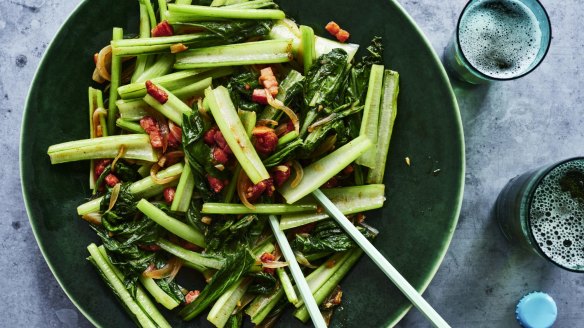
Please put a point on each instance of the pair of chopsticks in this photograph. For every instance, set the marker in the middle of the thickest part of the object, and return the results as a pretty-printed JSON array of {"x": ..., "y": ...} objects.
[{"x": 393, "y": 275}]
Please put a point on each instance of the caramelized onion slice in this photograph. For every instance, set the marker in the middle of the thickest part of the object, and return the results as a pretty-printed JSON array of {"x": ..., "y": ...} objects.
[
  {"x": 243, "y": 183},
  {"x": 289, "y": 112},
  {"x": 299, "y": 174}
]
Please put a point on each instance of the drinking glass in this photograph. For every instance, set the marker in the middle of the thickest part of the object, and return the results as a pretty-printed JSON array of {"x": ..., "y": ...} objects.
[
  {"x": 542, "y": 211},
  {"x": 498, "y": 40}
]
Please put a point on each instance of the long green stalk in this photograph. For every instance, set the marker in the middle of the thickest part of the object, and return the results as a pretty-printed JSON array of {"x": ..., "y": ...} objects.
[
  {"x": 186, "y": 13},
  {"x": 137, "y": 147},
  {"x": 141, "y": 297},
  {"x": 277, "y": 209},
  {"x": 129, "y": 126},
  {"x": 162, "y": 66},
  {"x": 162, "y": 8},
  {"x": 184, "y": 191},
  {"x": 234, "y": 133},
  {"x": 198, "y": 259},
  {"x": 224, "y": 306},
  {"x": 307, "y": 47},
  {"x": 319, "y": 172},
  {"x": 142, "y": 62},
  {"x": 95, "y": 102},
  {"x": 288, "y": 137},
  {"x": 151, "y": 14},
  {"x": 162, "y": 44},
  {"x": 170, "y": 81},
  {"x": 141, "y": 188},
  {"x": 386, "y": 121},
  {"x": 349, "y": 200},
  {"x": 248, "y": 120},
  {"x": 159, "y": 295},
  {"x": 287, "y": 285},
  {"x": 173, "y": 109},
  {"x": 370, "y": 120},
  {"x": 183, "y": 2},
  {"x": 116, "y": 73},
  {"x": 249, "y": 53},
  {"x": 321, "y": 294},
  {"x": 118, "y": 287},
  {"x": 262, "y": 305},
  {"x": 173, "y": 225}
]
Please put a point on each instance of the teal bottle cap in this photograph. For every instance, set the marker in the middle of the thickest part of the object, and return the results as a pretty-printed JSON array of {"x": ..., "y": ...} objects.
[{"x": 536, "y": 310}]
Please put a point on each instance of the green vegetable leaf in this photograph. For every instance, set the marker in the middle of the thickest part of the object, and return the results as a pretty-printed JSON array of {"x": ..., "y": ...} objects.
[
  {"x": 263, "y": 283},
  {"x": 327, "y": 236}
]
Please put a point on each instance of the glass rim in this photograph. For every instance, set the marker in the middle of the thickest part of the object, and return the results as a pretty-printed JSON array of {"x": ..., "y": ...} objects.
[
  {"x": 530, "y": 199},
  {"x": 487, "y": 77}
]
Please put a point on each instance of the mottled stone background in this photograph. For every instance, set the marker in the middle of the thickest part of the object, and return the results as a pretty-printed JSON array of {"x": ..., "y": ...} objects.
[{"x": 509, "y": 127}]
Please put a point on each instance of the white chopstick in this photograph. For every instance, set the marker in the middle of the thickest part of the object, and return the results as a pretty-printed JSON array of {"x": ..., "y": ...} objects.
[
  {"x": 393, "y": 275},
  {"x": 301, "y": 283}
]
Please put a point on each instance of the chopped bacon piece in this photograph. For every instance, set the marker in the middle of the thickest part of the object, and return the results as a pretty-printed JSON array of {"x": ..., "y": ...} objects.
[
  {"x": 111, "y": 180},
  {"x": 281, "y": 174},
  {"x": 191, "y": 296},
  {"x": 267, "y": 257},
  {"x": 169, "y": 194},
  {"x": 173, "y": 142},
  {"x": 220, "y": 140},
  {"x": 265, "y": 140},
  {"x": 259, "y": 96},
  {"x": 100, "y": 166},
  {"x": 209, "y": 136},
  {"x": 179, "y": 47},
  {"x": 216, "y": 184},
  {"x": 268, "y": 80},
  {"x": 254, "y": 192},
  {"x": 348, "y": 170},
  {"x": 307, "y": 228},
  {"x": 220, "y": 155},
  {"x": 162, "y": 29},
  {"x": 342, "y": 36},
  {"x": 156, "y": 92},
  {"x": 151, "y": 127},
  {"x": 333, "y": 28}
]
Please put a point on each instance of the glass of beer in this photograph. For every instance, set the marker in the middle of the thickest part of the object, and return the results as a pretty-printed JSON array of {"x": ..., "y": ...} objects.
[
  {"x": 498, "y": 40},
  {"x": 543, "y": 211}
]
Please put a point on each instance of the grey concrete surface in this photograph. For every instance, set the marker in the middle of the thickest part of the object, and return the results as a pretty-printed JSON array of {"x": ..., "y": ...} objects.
[{"x": 510, "y": 127}]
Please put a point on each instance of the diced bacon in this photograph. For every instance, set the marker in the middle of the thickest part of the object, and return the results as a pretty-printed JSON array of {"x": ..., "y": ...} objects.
[
  {"x": 333, "y": 28},
  {"x": 254, "y": 192},
  {"x": 209, "y": 136},
  {"x": 162, "y": 29},
  {"x": 268, "y": 80},
  {"x": 111, "y": 180},
  {"x": 156, "y": 92},
  {"x": 191, "y": 296},
  {"x": 151, "y": 127},
  {"x": 281, "y": 174},
  {"x": 342, "y": 36},
  {"x": 220, "y": 140},
  {"x": 259, "y": 96},
  {"x": 216, "y": 184},
  {"x": 169, "y": 194},
  {"x": 267, "y": 257},
  {"x": 100, "y": 166},
  {"x": 265, "y": 140},
  {"x": 220, "y": 156}
]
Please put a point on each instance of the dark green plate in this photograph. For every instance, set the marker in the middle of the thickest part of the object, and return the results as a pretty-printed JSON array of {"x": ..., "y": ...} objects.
[{"x": 423, "y": 200}]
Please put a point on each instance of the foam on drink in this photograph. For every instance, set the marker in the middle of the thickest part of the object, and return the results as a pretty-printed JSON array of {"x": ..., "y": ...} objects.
[
  {"x": 556, "y": 214},
  {"x": 500, "y": 38}
]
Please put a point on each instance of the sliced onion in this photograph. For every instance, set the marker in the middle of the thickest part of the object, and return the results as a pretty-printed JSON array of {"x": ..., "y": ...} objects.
[
  {"x": 93, "y": 218},
  {"x": 164, "y": 132},
  {"x": 154, "y": 170},
  {"x": 168, "y": 270},
  {"x": 243, "y": 183},
  {"x": 261, "y": 130},
  {"x": 274, "y": 264},
  {"x": 299, "y": 174},
  {"x": 120, "y": 154},
  {"x": 280, "y": 105},
  {"x": 266, "y": 121},
  {"x": 104, "y": 62},
  {"x": 96, "y": 115},
  {"x": 171, "y": 158},
  {"x": 175, "y": 130},
  {"x": 114, "y": 196},
  {"x": 96, "y": 77},
  {"x": 303, "y": 260}
]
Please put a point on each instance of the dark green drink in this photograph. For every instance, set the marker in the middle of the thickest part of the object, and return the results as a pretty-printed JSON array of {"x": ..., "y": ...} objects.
[{"x": 543, "y": 210}]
